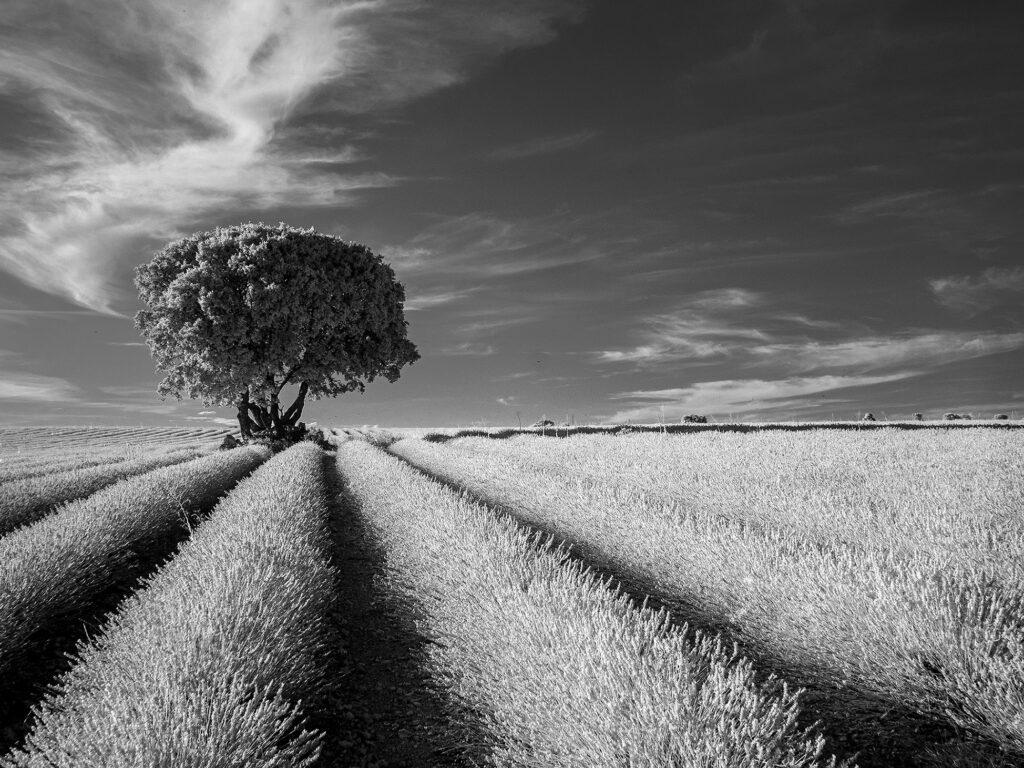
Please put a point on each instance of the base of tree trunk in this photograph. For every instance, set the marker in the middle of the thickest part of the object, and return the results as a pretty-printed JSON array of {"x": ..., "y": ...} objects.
[{"x": 280, "y": 439}]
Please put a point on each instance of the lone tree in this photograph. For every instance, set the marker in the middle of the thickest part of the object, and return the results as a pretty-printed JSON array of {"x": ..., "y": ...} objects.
[{"x": 236, "y": 314}]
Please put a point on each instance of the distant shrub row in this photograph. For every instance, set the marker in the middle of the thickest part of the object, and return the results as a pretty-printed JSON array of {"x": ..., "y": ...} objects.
[{"x": 691, "y": 426}]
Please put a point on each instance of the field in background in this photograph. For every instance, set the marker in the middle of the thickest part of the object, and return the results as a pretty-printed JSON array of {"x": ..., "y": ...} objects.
[
  {"x": 636, "y": 596},
  {"x": 15, "y": 442}
]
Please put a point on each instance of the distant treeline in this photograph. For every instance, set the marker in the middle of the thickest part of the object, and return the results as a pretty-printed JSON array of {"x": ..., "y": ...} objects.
[{"x": 625, "y": 429}]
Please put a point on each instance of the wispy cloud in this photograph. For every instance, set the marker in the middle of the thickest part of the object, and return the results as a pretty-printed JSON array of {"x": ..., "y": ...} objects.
[
  {"x": 950, "y": 220},
  {"x": 431, "y": 299},
  {"x": 469, "y": 348},
  {"x": 480, "y": 245},
  {"x": 736, "y": 395},
  {"x": 919, "y": 204},
  {"x": 38, "y": 389},
  {"x": 776, "y": 181},
  {"x": 748, "y": 329},
  {"x": 216, "y": 420},
  {"x": 872, "y": 353},
  {"x": 25, "y": 316},
  {"x": 973, "y": 294},
  {"x": 126, "y": 344},
  {"x": 160, "y": 115},
  {"x": 482, "y": 321},
  {"x": 157, "y": 409},
  {"x": 543, "y": 146},
  {"x": 17, "y": 383},
  {"x": 516, "y": 376},
  {"x": 702, "y": 329},
  {"x": 131, "y": 392}
]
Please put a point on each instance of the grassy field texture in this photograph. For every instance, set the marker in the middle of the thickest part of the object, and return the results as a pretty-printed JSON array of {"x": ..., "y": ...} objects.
[
  {"x": 52, "y": 569},
  {"x": 21, "y": 470},
  {"x": 548, "y": 666},
  {"x": 946, "y": 493},
  {"x": 880, "y": 565},
  {"x": 23, "y": 501},
  {"x": 209, "y": 663},
  {"x": 18, "y": 442}
]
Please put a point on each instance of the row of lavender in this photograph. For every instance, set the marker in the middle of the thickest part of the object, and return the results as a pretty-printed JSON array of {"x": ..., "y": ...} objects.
[
  {"x": 820, "y": 570},
  {"x": 880, "y": 570},
  {"x": 215, "y": 659},
  {"x": 208, "y": 662}
]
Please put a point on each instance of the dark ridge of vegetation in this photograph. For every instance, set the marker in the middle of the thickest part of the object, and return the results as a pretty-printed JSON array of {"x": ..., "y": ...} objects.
[{"x": 674, "y": 429}]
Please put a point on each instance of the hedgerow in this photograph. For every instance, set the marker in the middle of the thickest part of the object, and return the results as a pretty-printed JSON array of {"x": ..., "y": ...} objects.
[
  {"x": 549, "y": 666},
  {"x": 726, "y": 427},
  {"x": 53, "y": 567},
  {"x": 927, "y": 628},
  {"x": 209, "y": 663}
]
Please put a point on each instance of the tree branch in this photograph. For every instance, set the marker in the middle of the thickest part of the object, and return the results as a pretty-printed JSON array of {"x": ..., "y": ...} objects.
[
  {"x": 244, "y": 422},
  {"x": 291, "y": 416},
  {"x": 288, "y": 377},
  {"x": 258, "y": 416}
]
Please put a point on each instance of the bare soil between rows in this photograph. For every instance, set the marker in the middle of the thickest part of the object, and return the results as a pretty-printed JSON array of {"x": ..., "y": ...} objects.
[{"x": 381, "y": 710}]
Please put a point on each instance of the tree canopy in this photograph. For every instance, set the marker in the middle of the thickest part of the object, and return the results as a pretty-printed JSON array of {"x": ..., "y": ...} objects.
[{"x": 235, "y": 315}]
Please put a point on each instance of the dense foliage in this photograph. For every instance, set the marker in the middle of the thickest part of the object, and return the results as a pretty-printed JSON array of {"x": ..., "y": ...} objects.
[{"x": 236, "y": 314}]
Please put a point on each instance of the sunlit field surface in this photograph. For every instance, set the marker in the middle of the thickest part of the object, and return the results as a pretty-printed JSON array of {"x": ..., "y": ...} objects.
[
  {"x": 25, "y": 443},
  {"x": 648, "y": 598},
  {"x": 881, "y": 569}
]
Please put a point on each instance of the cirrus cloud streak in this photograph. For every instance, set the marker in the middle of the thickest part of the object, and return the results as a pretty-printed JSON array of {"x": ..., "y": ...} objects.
[
  {"x": 146, "y": 118},
  {"x": 736, "y": 395}
]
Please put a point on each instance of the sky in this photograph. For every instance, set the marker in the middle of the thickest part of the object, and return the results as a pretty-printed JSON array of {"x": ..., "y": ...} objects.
[{"x": 601, "y": 211}]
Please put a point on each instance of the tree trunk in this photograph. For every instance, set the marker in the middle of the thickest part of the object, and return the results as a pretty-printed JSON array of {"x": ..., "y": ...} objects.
[
  {"x": 270, "y": 418},
  {"x": 275, "y": 417},
  {"x": 244, "y": 422},
  {"x": 294, "y": 412},
  {"x": 260, "y": 417}
]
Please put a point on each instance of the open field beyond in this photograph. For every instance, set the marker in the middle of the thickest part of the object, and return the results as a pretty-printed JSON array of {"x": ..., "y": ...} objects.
[{"x": 705, "y": 598}]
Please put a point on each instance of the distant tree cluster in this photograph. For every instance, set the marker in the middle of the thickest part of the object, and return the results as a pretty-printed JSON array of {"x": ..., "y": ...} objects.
[{"x": 945, "y": 416}]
